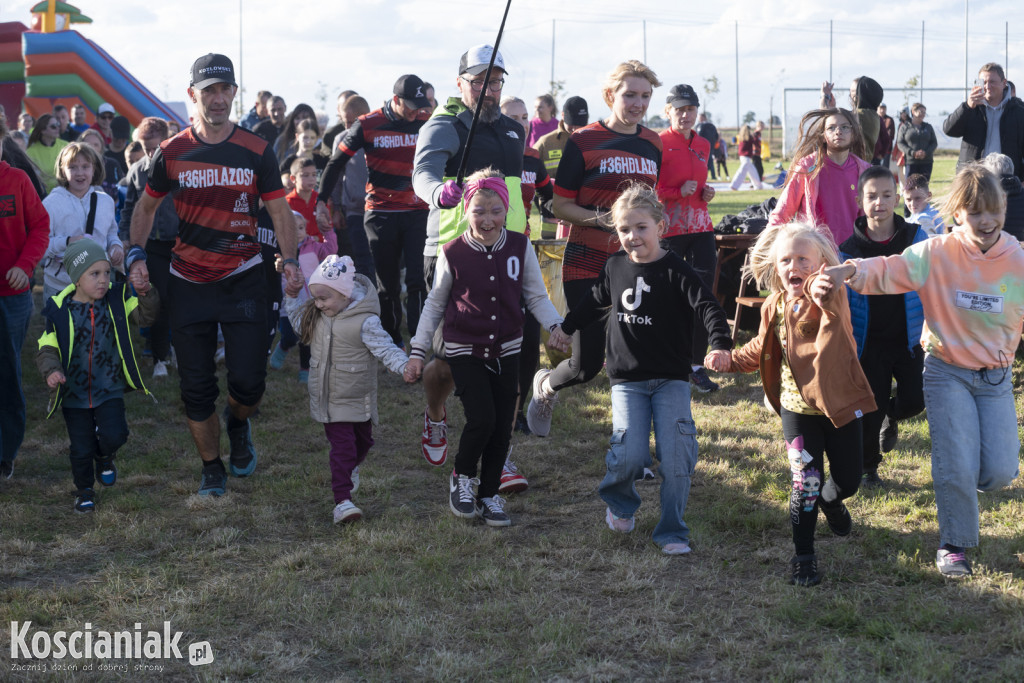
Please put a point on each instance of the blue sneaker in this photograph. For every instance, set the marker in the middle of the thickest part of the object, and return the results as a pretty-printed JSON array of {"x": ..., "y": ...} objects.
[
  {"x": 84, "y": 501},
  {"x": 106, "y": 472},
  {"x": 277, "y": 358},
  {"x": 243, "y": 453},
  {"x": 304, "y": 376},
  {"x": 214, "y": 480}
]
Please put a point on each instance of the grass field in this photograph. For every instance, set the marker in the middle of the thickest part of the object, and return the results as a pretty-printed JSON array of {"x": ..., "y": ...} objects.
[{"x": 412, "y": 593}]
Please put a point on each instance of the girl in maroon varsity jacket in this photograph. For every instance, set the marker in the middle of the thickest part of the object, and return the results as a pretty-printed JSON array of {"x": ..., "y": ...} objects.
[{"x": 482, "y": 277}]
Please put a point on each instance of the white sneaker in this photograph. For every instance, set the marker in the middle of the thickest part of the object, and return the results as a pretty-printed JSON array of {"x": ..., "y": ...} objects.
[
  {"x": 542, "y": 404},
  {"x": 159, "y": 369},
  {"x": 345, "y": 511},
  {"x": 355, "y": 480}
]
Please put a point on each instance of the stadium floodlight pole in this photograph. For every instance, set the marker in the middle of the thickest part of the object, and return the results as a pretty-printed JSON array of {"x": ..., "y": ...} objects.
[{"x": 480, "y": 102}]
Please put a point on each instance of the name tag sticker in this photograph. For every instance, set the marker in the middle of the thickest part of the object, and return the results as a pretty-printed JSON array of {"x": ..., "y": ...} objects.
[{"x": 985, "y": 303}]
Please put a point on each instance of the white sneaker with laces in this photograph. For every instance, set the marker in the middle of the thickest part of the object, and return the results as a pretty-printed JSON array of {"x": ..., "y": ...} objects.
[
  {"x": 345, "y": 511},
  {"x": 492, "y": 511},
  {"x": 542, "y": 405},
  {"x": 159, "y": 369},
  {"x": 512, "y": 480},
  {"x": 462, "y": 495},
  {"x": 355, "y": 479},
  {"x": 434, "y": 441}
]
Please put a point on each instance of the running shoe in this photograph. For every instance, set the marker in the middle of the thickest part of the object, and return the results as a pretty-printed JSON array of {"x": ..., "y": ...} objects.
[
  {"x": 492, "y": 511},
  {"x": 345, "y": 511},
  {"x": 542, "y": 405},
  {"x": 435, "y": 440}
]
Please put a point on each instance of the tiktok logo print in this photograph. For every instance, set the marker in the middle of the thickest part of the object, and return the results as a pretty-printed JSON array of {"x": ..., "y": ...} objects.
[{"x": 631, "y": 300}]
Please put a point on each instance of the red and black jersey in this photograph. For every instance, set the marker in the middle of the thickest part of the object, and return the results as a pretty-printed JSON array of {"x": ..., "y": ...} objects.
[
  {"x": 390, "y": 144},
  {"x": 535, "y": 178},
  {"x": 597, "y": 163},
  {"x": 216, "y": 189}
]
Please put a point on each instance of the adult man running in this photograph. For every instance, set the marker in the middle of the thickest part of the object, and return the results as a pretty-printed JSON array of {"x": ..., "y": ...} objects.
[
  {"x": 396, "y": 219},
  {"x": 218, "y": 172},
  {"x": 498, "y": 142}
]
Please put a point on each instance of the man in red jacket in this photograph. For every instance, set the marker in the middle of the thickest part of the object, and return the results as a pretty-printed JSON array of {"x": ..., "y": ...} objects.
[{"x": 24, "y": 233}]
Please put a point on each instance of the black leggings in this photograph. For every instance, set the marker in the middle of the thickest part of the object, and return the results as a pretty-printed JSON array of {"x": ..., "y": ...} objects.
[
  {"x": 810, "y": 490},
  {"x": 699, "y": 250},
  {"x": 587, "y": 344},
  {"x": 881, "y": 364}
]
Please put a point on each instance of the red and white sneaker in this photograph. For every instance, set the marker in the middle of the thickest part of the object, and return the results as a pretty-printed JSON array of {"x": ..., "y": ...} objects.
[
  {"x": 512, "y": 481},
  {"x": 435, "y": 440}
]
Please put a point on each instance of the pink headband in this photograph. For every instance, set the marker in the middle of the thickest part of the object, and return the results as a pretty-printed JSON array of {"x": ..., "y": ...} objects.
[{"x": 496, "y": 185}]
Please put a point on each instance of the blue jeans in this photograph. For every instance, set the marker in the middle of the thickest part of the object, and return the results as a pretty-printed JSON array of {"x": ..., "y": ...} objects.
[
  {"x": 975, "y": 444},
  {"x": 15, "y": 311},
  {"x": 634, "y": 406}
]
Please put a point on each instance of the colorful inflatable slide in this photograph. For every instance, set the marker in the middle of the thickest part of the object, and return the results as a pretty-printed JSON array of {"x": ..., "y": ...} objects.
[{"x": 40, "y": 69}]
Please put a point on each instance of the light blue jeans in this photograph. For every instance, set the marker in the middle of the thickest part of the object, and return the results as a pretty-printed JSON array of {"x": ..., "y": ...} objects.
[
  {"x": 975, "y": 443},
  {"x": 635, "y": 405}
]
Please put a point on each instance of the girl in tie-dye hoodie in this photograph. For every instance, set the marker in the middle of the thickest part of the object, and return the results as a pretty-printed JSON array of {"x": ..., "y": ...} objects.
[{"x": 971, "y": 284}]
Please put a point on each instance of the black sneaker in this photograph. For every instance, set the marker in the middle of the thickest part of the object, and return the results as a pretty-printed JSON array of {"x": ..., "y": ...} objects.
[
  {"x": 84, "y": 501},
  {"x": 838, "y": 518},
  {"x": 243, "y": 454},
  {"x": 521, "y": 425},
  {"x": 214, "y": 479},
  {"x": 6, "y": 469},
  {"x": 106, "y": 472},
  {"x": 952, "y": 562},
  {"x": 461, "y": 498},
  {"x": 870, "y": 479},
  {"x": 804, "y": 570},
  {"x": 889, "y": 435},
  {"x": 701, "y": 382},
  {"x": 492, "y": 511}
]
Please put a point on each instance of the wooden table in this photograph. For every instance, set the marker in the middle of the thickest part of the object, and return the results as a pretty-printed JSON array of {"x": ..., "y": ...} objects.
[{"x": 729, "y": 247}]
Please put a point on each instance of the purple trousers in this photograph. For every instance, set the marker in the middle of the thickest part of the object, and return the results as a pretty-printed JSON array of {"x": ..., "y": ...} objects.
[{"x": 350, "y": 442}]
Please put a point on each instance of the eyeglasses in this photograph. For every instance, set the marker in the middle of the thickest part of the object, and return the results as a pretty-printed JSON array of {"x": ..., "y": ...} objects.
[
  {"x": 492, "y": 85},
  {"x": 839, "y": 129},
  {"x": 106, "y": 116}
]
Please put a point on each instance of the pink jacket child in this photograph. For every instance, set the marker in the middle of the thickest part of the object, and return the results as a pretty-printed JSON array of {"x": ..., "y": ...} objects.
[{"x": 804, "y": 196}]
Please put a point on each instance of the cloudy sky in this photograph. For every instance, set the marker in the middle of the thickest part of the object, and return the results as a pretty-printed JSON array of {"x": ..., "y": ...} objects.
[{"x": 309, "y": 55}]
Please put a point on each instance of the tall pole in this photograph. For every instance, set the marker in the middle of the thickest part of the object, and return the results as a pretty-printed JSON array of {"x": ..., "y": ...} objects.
[
  {"x": 1006, "y": 40},
  {"x": 830, "y": 52},
  {"x": 645, "y": 41},
  {"x": 241, "y": 90},
  {"x": 552, "y": 55},
  {"x": 920, "y": 97},
  {"x": 967, "y": 37},
  {"x": 737, "y": 30}
]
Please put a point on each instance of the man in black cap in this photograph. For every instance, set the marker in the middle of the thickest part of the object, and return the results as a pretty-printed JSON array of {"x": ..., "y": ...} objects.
[
  {"x": 499, "y": 143},
  {"x": 395, "y": 219},
  {"x": 575, "y": 115},
  {"x": 218, "y": 173}
]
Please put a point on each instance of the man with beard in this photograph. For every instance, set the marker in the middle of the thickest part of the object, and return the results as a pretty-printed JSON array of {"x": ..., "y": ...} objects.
[
  {"x": 822, "y": 181},
  {"x": 498, "y": 142}
]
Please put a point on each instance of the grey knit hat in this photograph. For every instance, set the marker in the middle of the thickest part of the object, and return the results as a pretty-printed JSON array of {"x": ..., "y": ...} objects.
[{"x": 80, "y": 255}]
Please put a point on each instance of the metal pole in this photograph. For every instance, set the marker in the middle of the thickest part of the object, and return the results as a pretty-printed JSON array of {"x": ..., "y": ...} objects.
[
  {"x": 737, "y": 30},
  {"x": 967, "y": 37},
  {"x": 241, "y": 83},
  {"x": 1006, "y": 40},
  {"x": 645, "y": 41},
  {"x": 552, "y": 54},
  {"x": 830, "y": 53},
  {"x": 921, "y": 81}
]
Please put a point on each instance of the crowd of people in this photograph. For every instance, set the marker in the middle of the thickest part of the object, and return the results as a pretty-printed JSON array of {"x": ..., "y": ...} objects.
[{"x": 223, "y": 237}]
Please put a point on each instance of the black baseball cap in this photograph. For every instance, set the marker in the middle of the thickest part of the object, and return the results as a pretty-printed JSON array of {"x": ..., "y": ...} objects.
[
  {"x": 575, "y": 111},
  {"x": 210, "y": 69},
  {"x": 412, "y": 89},
  {"x": 682, "y": 95}
]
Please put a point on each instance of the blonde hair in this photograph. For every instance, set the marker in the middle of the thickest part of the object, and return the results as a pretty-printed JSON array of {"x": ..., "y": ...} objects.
[
  {"x": 975, "y": 188},
  {"x": 744, "y": 133},
  {"x": 626, "y": 70},
  {"x": 310, "y": 318},
  {"x": 69, "y": 154},
  {"x": 763, "y": 254},
  {"x": 636, "y": 196},
  {"x": 489, "y": 172}
]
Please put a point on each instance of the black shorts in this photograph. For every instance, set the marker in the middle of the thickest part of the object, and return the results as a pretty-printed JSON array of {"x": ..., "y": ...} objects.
[{"x": 239, "y": 305}]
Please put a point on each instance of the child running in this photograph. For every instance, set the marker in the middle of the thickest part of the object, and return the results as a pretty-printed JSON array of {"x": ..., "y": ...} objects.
[
  {"x": 311, "y": 252},
  {"x": 887, "y": 328},
  {"x": 917, "y": 198},
  {"x": 654, "y": 297},
  {"x": 78, "y": 208},
  {"x": 87, "y": 359},
  {"x": 805, "y": 352},
  {"x": 341, "y": 325},
  {"x": 482, "y": 276},
  {"x": 971, "y": 284}
]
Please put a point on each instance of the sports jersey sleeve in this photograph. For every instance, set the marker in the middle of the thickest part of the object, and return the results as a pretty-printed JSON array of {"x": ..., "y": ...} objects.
[
  {"x": 570, "y": 173},
  {"x": 353, "y": 139},
  {"x": 159, "y": 182},
  {"x": 269, "y": 174},
  {"x": 591, "y": 305}
]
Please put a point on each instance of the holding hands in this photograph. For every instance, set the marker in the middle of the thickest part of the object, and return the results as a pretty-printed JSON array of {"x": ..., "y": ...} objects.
[
  {"x": 413, "y": 370},
  {"x": 718, "y": 361},
  {"x": 138, "y": 275},
  {"x": 559, "y": 340},
  {"x": 55, "y": 378}
]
